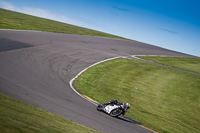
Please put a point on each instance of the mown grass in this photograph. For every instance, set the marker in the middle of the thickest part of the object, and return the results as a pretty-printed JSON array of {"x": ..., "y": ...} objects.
[
  {"x": 15, "y": 20},
  {"x": 18, "y": 117},
  {"x": 164, "y": 99},
  {"x": 187, "y": 63}
]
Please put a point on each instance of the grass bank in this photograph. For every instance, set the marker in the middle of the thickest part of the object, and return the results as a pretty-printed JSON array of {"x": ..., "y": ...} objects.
[
  {"x": 18, "y": 117},
  {"x": 187, "y": 63},
  {"x": 15, "y": 20},
  {"x": 164, "y": 99}
]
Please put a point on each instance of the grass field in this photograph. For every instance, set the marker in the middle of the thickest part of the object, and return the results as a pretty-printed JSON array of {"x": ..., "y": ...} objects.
[
  {"x": 15, "y": 20},
  {"x": 164, "y": 99},
  {"x": 18, "y": 117},
  {"x": 187, "y": 63}
]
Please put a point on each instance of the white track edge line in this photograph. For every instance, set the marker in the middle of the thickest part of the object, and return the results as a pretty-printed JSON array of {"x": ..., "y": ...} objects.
[
  {"x": 21, "y": 30},
  {"x": 72, "y": 80},
  {"x": 68, "y": 33}
]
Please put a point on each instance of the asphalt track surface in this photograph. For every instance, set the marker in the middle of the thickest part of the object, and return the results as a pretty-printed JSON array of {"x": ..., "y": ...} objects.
[{"x": 36, "y": 68}]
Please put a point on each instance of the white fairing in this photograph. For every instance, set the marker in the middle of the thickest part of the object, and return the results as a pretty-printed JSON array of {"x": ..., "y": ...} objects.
[{"x": 109, "y": 108}]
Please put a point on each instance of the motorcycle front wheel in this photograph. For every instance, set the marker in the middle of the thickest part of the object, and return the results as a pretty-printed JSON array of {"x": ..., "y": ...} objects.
[{"x": 115, "y": 112}]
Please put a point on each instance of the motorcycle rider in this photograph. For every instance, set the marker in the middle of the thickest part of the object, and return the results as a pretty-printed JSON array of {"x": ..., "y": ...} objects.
[
  {"x": 112, "y": 102},
  {"x": 124, "y": 106}
]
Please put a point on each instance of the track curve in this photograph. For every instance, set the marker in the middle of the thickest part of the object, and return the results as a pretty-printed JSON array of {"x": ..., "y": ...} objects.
[{"x": 36, "y": 67}]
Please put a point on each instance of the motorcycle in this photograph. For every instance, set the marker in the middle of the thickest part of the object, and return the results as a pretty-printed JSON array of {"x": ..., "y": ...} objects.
[{"x": 112, "y": 110}]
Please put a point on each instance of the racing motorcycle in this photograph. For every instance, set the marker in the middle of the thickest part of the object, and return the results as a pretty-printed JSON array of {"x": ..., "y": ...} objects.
[{"x": 112, "y": 110}]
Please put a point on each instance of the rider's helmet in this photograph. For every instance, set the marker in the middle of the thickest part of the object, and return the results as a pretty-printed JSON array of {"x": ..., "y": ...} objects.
[
  {"x": 127, "y": 105},
  {"x": 114, "y": 101}
]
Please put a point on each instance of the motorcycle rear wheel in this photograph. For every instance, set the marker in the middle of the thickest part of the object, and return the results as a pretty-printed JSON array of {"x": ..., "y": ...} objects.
[{"x": 100, "y": 107}]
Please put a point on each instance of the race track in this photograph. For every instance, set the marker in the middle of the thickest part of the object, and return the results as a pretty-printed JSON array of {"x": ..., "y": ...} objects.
[{"x": 36, "y": 67}]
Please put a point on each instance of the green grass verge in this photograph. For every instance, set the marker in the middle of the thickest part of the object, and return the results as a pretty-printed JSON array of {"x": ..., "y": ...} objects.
[
  {"x": 15, "y": 20},
  {"x": 187, "y": 63},
  {"x": 164, "y": 99},
  {"x": 18, "y": 117}
]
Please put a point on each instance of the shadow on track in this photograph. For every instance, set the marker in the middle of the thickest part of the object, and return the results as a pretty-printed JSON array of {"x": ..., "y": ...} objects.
[
  {"x": 127, "y": 119},
  {"x": 7, "y": 45},
  {"x": 124, "y": 118}
]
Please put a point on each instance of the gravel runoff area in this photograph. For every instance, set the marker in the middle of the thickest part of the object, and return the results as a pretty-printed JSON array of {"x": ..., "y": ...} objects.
[{"x": 36, "y": 67}]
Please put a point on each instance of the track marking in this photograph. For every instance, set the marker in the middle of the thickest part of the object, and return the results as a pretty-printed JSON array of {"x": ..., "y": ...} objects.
[
  {"x": 90, "y": 98},
  {"x": 158, "y": 64},
  {"x": 72, "y": 80},
  {"x": 147, "y": 128}
]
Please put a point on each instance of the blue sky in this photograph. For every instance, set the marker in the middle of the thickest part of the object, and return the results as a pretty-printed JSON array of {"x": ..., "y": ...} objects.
[{"x": 172, "y": 24}]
